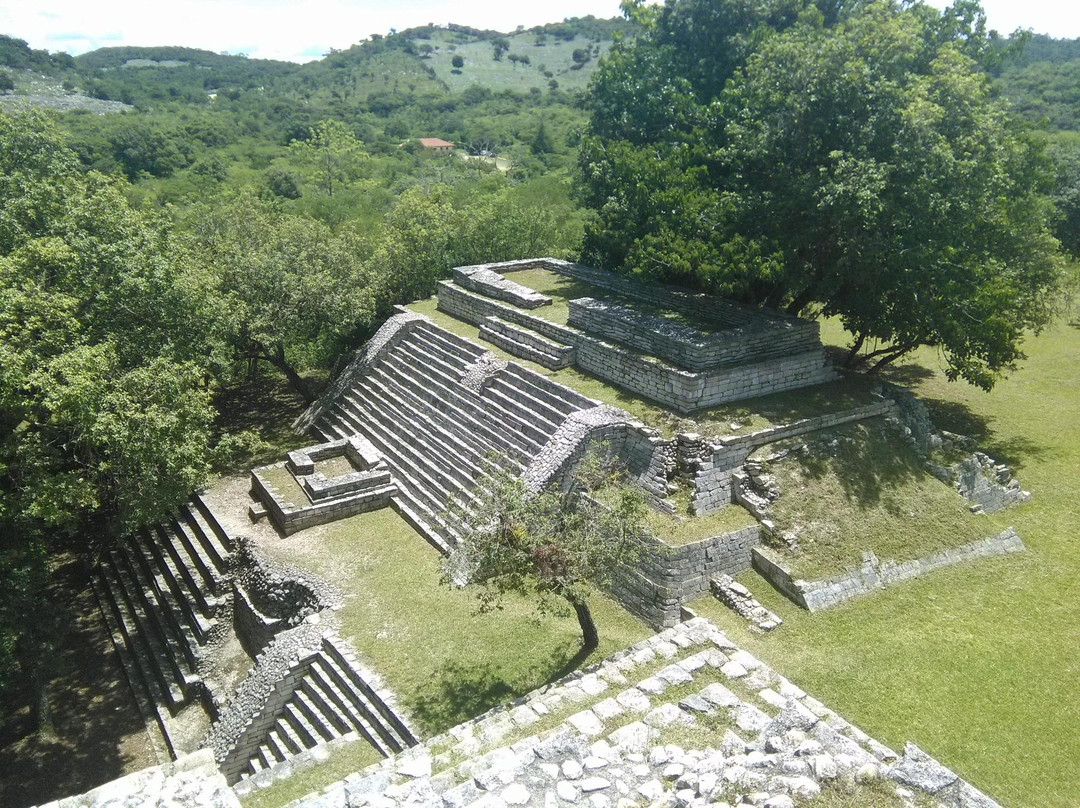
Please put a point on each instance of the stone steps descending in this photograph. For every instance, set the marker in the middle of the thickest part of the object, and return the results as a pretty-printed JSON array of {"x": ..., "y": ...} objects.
[
  {"x": 467, "y": 352},
  {"x": 413, "y": 476},
  {"x": 461, "y": 406},
  {"x": 183, "y": 622},
  {"x": 526, "y": 343},
  {"x": 521, "y": 424},
  {"x": 160, "y": 670},
  {"x": 334, "y": 700},
  {"x": 157, "y": 589},
  {"x": 558, "y": 397}
]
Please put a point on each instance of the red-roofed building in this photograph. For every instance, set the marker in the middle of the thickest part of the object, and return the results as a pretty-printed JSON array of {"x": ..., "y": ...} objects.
[{"x": 436, "y": 144}]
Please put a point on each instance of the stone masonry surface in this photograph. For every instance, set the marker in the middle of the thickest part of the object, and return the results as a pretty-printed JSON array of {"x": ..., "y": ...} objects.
[
  {"x": 190, "y": 782},
  {"x": 612, "y": 736},
  {"x": 875, "y": 574}
]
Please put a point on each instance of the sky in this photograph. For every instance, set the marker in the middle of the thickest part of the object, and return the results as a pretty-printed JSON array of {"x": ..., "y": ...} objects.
[{"x": 300, "y": 32}]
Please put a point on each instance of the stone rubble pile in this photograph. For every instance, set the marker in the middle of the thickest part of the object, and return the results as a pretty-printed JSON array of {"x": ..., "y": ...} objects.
[
  {"x": 738, "y": 598},
  {"x": 684, "y": 719}
]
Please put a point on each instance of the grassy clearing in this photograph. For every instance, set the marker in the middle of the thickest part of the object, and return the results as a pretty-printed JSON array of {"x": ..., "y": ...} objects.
[
  {"x": 445, "y": 662},
  {"x": 860, "y": 488},
  {"x": 977, "y": 664},
  {"x": 343, "y": 761},
  {"x": 481, "y": 68}
]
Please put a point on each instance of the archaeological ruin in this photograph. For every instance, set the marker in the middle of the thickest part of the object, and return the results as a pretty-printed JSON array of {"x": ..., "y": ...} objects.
[{"x": 241, "y": 677}]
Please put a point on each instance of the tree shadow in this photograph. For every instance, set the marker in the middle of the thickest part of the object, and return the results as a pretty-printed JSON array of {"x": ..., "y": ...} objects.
[
  {"x": 99, "y": 733},
  {"x": 864, "y": 458},
  {"x": 459, "y": 691}
]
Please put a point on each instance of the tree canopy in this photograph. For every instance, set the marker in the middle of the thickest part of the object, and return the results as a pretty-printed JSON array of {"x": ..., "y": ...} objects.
[
  {"x": 844, "y": 160},
  {"x": 557, "y": 545}
]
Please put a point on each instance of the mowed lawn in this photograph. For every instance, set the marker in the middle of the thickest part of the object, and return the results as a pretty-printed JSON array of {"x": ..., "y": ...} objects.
[{"x": 979, "y": 665}]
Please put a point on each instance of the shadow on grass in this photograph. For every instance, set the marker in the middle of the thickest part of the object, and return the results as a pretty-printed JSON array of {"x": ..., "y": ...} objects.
[
  {"x": 459, "y": 691},
  {"x": 92, "y": 706},
  {"x": 864, "y": 459}
]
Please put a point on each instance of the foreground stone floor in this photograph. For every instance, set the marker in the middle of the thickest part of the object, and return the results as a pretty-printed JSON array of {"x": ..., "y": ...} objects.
[{"x": 684, "y": 719}]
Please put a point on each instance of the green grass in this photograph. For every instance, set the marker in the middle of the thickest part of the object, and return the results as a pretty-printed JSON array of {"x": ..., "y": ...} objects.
[
  {"x": 977, "y": 664},
  {"x": 445, "y": 662},
  {"x": 286, "y": 485},
  {"x": 343, "y": 761},
  {"x": 678, "y": 531},
  {"x": 868, "y": 491},
  {"x": 481, "y": 68}
]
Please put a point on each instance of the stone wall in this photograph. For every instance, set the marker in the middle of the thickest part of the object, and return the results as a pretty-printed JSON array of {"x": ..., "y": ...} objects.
[
  {"x": 291, "y": 517},
  {"x": 688, "y": 347},
  {"x": 272, "y": 596},
  {"x": 667, "y": 577},
  {"x": 492, "y": 284},
  {"x": 713, "y": 478},
  {"x": 682, "y": 390},
  {"x": 874, "y": 574},
  {"x": 191, "y": 781},
  {"x": 244, "y": 723}
]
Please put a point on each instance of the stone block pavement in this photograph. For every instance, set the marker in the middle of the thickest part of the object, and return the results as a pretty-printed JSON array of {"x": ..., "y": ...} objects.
[{"x": 684, "y": 719}]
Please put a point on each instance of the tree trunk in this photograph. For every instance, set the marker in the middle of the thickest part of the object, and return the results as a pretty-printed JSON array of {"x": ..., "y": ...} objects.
[
  {"x": 589, "y": 638},
  {"x": 296, "y": 381}
]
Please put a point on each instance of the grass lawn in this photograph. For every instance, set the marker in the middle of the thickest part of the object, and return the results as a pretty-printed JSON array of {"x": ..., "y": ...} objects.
[
  {"x": 978, "y": 664},
  {"x": 859, "y": 488},
  {"x": 445, "y": 662}
]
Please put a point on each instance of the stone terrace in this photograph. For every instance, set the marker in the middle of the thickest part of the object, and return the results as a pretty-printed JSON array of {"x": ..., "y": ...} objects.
[{"x": 696, "y": 351}]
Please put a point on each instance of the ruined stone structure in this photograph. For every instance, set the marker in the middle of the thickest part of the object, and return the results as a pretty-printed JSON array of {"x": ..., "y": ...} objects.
[
  {"x": 415, "y": 422},
  {"x": 744, "y": 352}
]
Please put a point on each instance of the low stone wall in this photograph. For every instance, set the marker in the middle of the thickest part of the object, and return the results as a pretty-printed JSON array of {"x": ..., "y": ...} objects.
[
  {"x": 874, "y": 574},
  {"x": 191, "y": 781},
  {"x": 682, "y": 390},
  {"x": 254, "y": 629},
  {"x": 713, "y": 478},
  {"x": 280, "y": 591},
  {"x": 667, "y": 577},
  {"x": 688, "y": 347},
  {"x": 492, "y": 284},
  {"x": 291, "y": 517},
  {"x": 527, "y": 344}
]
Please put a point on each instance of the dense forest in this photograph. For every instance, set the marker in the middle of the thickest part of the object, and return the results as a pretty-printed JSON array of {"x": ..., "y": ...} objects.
[{"x": 177, "y": 223}]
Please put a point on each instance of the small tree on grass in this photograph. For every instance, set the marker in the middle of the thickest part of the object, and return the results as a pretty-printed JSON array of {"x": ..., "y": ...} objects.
[{"x": 557, "y": 545}]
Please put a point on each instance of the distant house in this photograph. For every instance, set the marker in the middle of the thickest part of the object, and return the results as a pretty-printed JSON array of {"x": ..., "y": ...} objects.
[{"x": 436, "y": 144}]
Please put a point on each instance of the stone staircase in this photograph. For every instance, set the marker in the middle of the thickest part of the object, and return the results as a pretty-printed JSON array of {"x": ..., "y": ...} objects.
[
  {"x": 334, "y": 699},
  {"x": 685, "y": 718},
  {"x": 161, "y": 590},
  {"x": 437, "y": 432}
]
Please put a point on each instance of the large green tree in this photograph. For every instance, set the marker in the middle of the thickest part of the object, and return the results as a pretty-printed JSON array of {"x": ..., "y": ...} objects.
[
  {"x": 103, "y": 414},
  {"x": 845, "y": 160},
  {"x": 558, "y": 545}
]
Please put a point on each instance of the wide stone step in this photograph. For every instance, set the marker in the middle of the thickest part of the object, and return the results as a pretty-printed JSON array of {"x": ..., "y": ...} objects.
[
  {"x": 203, "y": 569},
  {"x": 454, "y": 456},
  {"x": 210, "y": 545},
  {"x": 526, "y": 344},
  {"x": 393, "y": 734},
  {"x": 352, "y": 705},
  {"x": 510, "y": 423},
  {"x": 557, "y": 396},
  {"x": 171, "y": 546},
  {"x": 464, "y": 411},
  {"x": 222, "y": 543},
  {"x": 183, "y": 620},
  {"x": 147, "y": 693},
  {"x": 147, "y": 543},
  {"x": 409, "y": 480},
  {"x": 139, "y": 636},
  {"x": 331, "y": 715},
  {"x": 436, "y": 486},
  {"x": 540, "y": 421},
  {"x": 468, "y": 352}
]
